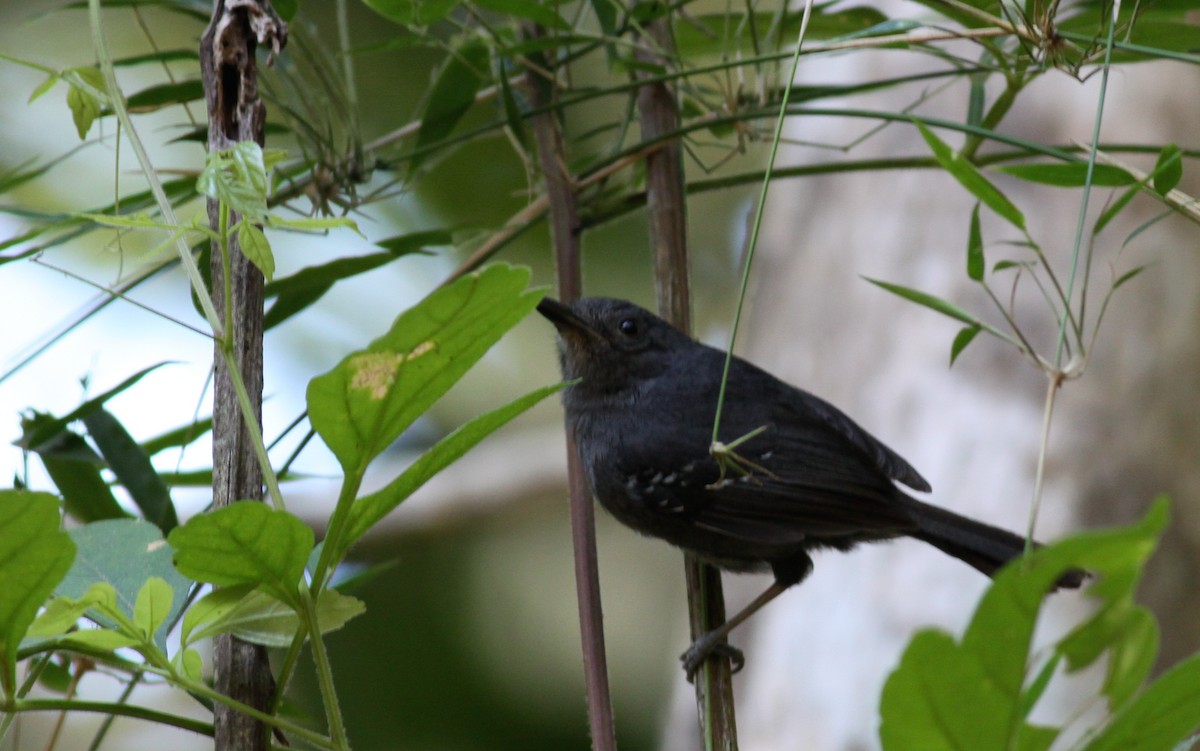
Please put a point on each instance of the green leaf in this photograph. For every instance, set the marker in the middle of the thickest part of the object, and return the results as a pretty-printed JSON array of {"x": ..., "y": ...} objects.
[
  {"x": 413, "y": 12},
  {"x": 1168, "y": 170},
  {"x": 370, "y": 509},
  {"x": 130, "y": 463},
  {"x": 975, "y": 262},
  {"x": 245, "y": 543},
  {"x": 123, "y": 554},
  {"x": 73, "y": 466},
  {"x": 1070, "y": 175},
  {"x": 139, "y": 220},
  {"x": 1128, "y": 275},
  {"x": 361, "y": 406},
  {"x": 56, "y": 675},
  {"x": 42, "y": 88},
  {"x": 101, "y": 639},
  {"x": 178, "y": 438},
  {"x": 705, "y": 35},
  {"x": 961, "y": 340},
  {"x": 59, "y": 616},
  {"x": 36, "y": 434},
  {"x": 1162, "y": 717},
  {"x": 1036, "y": 737},
  {"x": 255, "y": 247},
  {"x": 261, "y": 619},
  {"x": 1039, "y": 684},
  {"x": 929, "y": 301},
  {"x": 416, "y": 242},
  {"x": 158, "y": 58},
  {"x": 153, "y": 606},
  {"x": 530, "y": 9},
  {"x": 1115, "y": 208},
  {"x": 210, "y": 609},
  {"x": 237, "y": 176},
  {"x": 1132, "y": 657},
  {"x": 300, "y": 290},
  {"x": 512, "y": 110},
  {"x": 452, "y": 94},
  {"x": 165, "y": 95},
  {"x": 34, "y": 556},
  {"x": 940, "y": 698},
  {"x": 969, "y": 176},
  {"x": 314, "y": 224},
  {"x": 970, "y": 694},
  {"x": 84, "y": 104},
  {"x": 193, "y": 665}
]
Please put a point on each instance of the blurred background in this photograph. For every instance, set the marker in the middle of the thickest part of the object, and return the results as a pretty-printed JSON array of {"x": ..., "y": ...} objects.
[{"x": 470, "y": 640}]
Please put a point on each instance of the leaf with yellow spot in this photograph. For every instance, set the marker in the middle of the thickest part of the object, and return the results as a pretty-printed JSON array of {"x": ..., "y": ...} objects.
[{"x": 361, "y": 406}]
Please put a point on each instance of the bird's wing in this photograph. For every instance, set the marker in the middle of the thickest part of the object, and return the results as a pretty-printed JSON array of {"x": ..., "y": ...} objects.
[
  {"x": 888, "y": 461},
  {"x": 798, "y": 483}
]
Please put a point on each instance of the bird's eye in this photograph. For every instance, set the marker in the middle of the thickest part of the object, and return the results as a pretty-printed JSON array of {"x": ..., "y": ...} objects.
[{"x": 628, "y": 327}]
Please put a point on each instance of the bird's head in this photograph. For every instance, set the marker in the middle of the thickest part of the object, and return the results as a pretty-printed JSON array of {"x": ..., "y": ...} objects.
[{"x": 611, "y": 344}]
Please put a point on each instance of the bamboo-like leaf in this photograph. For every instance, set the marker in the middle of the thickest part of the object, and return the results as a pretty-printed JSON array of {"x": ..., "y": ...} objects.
[
  {"x": 452, "y": 94},
  {"x": 929, "y": 301},
  {"x": 969, "y": 176},
  {"x": 1070, "y": 175},
  {"x": 975, "y": 260},
  {"x": 131, "y": 464},
  {"x": 961, "y": 340},
  {"x": 530, "y": 9},
  {"x": 1168, "y": 170},
  {"x": 1128, "y": 275}
]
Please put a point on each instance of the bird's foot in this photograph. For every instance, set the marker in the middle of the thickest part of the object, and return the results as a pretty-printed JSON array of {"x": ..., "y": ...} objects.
[{"x": 712, "y": 644}]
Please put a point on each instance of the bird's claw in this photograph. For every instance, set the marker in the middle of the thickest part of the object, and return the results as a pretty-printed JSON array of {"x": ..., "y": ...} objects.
[{"x": 707, "y": 646}]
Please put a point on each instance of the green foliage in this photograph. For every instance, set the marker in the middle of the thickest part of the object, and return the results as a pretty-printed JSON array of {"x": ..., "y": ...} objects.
[
  {"x": 361, "y": 406},
  {"x": 452, "y": 95},
  {"x": 34, "y": 557},
  {"x": 969, "y": 176},
  {"x": 245, "y": 543},
  {"x": 86, "y": 93},
  {"x": 261, "y": 619},
  {"x": 127, "y": 586},
  {"x": 123, "y": 554},
  {"x": 131, "y": 465},
  {"x": 300, "y": 290},
  {"x": 372, "y": 508},
  {"x": 975, "y": 693}
]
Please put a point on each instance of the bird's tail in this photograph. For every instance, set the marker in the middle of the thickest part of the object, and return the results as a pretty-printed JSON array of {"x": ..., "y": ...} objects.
[{"x": 980, "y": 545}]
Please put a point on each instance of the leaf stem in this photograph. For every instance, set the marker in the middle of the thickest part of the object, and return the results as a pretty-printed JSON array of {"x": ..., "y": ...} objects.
[
  {"x": 116, "y": 100},
  {"x": 109, "y": 708},
  {"x": 758, "y": 215},
  {"x": 1087, "y": 192},
  {"x": 337, "y": 524},
  {"x": 1053, "y": 381},
  {"x": 333, "y": 711}
]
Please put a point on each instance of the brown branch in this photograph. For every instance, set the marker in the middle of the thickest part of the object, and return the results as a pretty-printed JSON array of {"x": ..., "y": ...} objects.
[
  {"x": 665, "y": 198},
  {"x": 236, "y": 113},
  {"x": 564, "y": 233}
]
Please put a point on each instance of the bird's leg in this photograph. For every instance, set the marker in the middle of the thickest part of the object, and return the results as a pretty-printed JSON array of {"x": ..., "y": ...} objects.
[
  {"x": 714, "y": 642},
  {"x": 728, "y": 459}
]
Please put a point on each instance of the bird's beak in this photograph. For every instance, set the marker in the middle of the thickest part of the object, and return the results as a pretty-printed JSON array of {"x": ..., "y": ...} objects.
[{"x": 563, "y": 318}]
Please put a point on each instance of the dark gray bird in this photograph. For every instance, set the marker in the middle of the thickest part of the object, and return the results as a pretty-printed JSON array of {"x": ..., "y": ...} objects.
[{"x": 796, "y": 474}]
